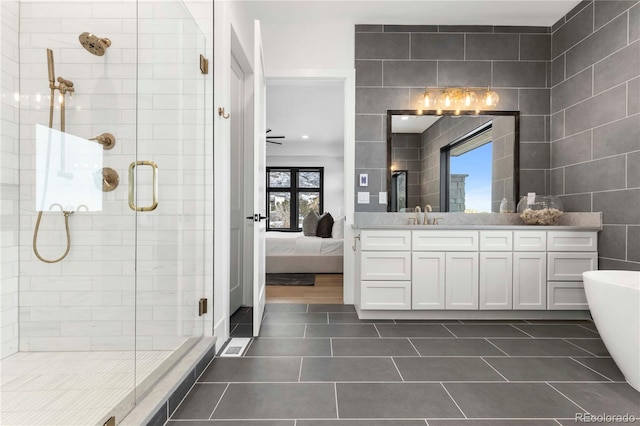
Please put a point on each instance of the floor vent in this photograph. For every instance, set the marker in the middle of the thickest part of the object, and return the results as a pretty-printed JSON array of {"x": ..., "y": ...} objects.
[{"x": 236, "y": 347}]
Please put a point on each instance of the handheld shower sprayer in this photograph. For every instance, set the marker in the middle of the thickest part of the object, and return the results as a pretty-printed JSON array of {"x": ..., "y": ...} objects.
[{"x": 52, "y": 73}]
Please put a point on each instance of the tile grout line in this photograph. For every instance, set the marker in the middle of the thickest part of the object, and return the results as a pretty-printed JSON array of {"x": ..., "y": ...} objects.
[
  {"x": 218, "y": 403},
  {"x": 331, "y": 345},
  {"x": 576, "y": 404},
  {"x": 597, "y": 372},
  {"x": 496, "y": 346},
  {"x": 573, "y": 344},
  {"x": 594, "y": 332},
  {"x": 335, "y": 392},
  {"x": 522, "y": 331},
  {"x": 454, "y": 401},
  {"x": 414, "y": 347},
  {"x": 452, "y": 333},
  {"x": 397, "y": 369},
  {"x": 494, "y": 369},
  {"x": 300, "y": 370},
  {"x": 304, "y": 334},
  {"x": 377, "y": 331}
]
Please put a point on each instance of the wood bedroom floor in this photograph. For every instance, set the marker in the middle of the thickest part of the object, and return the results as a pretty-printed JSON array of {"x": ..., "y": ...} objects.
[{"x": 327, "y": 289}]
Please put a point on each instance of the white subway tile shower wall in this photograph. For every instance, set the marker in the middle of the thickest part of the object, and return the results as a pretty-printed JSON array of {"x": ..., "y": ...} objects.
[
  {"x": 10, "y": 176},
  {"x": 89, "y": 299}
]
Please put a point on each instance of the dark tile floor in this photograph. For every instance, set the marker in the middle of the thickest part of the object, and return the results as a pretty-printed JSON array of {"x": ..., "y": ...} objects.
[{"x": 318, "y": 365}]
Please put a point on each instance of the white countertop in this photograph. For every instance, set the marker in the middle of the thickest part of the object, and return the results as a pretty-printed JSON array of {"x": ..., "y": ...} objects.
[{"x": 445, "y": 227}]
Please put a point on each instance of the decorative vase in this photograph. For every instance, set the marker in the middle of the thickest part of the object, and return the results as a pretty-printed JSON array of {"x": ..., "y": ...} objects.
[{"x": 544, "y": 210}]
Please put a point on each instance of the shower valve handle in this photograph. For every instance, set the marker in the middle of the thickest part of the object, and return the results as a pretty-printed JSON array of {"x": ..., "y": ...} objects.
[
  {"x": 65, "y": 82},
  {"x": 107, "y": 140}
]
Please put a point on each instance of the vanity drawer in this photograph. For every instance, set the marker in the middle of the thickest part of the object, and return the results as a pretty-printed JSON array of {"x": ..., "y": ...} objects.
[
  {"x": 572, "y": 241},
  {"x": 385, "y": 295},
  {"x": 567, "y": 296},
  {"x": 445, "y": 241},
  {"x": 530, "y": 241},
  {"x": 570, "y": 266},
  {"x": 381, "y": 265},
  {"x": 384, "y": 240},
  {"x": 496, "y": 241}
]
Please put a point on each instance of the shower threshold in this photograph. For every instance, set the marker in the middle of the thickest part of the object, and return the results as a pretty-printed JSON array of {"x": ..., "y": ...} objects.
[{"x": 79, "y": 388}]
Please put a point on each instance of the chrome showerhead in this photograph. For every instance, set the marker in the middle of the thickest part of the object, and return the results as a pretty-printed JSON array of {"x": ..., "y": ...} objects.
[{"x": 94, "y": 44}]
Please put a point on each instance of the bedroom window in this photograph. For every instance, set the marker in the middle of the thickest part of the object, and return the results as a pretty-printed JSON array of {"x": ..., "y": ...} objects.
[{"x": 292, "y": 192}]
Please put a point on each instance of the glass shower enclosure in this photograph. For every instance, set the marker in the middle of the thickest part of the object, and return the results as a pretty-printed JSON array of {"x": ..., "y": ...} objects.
[{"x": 103, "y": 190}]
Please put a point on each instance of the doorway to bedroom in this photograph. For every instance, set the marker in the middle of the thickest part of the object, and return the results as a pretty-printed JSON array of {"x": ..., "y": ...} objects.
[{"x": 305, "y": 191}]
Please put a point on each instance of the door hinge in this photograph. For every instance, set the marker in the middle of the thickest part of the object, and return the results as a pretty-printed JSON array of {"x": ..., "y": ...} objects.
[
  {"x": 202, "y": 307},
  {"x": 204, "y": 65}
]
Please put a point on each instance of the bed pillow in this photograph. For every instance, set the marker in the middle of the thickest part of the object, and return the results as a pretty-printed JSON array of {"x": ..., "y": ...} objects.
[
  {"x": 310, "y": 224},
  {"x": 338, "y": 228},
  {"x": 325, "y": 225}
]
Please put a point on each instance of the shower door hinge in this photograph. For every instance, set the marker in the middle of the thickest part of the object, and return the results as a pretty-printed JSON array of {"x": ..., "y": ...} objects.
[
  {"x": 204, "y": 65},
  {"x": 110, "y": 422},
  {"x": 202, "y": 307}
]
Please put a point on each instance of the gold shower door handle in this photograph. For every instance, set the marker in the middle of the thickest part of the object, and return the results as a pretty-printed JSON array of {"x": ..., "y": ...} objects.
[{"x": 132, "y": 185}]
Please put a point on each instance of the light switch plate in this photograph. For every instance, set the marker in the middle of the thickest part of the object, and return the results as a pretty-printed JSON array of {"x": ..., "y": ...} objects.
[
  {"x": 363, "y": 198},
  {"x": 382, "y": 198}
]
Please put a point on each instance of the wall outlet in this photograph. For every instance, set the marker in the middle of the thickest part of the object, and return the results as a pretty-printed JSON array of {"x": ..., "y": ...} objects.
[
  {"x": 363, "y": 198},
  {"x": 382, "y": 197}
]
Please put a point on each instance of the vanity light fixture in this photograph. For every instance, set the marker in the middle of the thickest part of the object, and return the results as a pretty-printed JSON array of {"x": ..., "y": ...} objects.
[{"x": 459, "y": 99}]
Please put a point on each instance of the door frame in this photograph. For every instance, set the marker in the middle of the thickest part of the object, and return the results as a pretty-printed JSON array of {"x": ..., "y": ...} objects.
[
  {"x": 227, "y": 38},
  {"x": 348, "y": 79}
]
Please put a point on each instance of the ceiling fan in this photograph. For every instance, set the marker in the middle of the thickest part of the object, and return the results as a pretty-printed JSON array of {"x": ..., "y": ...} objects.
[{"x": 273, "y": 137}]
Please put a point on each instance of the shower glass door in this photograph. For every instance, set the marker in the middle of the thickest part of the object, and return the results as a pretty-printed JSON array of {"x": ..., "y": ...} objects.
[
  {"x": 110, "y": 111},
  {"x": 167, "y": 179}
]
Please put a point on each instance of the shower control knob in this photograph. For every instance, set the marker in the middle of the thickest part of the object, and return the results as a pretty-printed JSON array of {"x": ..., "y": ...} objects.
[{"x": 107, "y": 140}]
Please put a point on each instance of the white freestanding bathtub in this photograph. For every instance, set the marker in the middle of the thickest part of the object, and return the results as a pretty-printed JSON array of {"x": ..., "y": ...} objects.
[{"x": 614, "y": 301}]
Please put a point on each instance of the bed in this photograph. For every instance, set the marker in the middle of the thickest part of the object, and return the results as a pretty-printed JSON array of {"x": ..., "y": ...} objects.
[{"x": 292, "y": 252}]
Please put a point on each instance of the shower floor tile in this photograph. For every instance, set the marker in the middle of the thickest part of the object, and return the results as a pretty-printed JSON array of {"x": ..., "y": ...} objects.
[{"x": 48, "y": 388}]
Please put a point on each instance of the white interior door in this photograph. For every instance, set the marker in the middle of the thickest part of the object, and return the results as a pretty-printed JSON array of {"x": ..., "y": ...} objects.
[
  {"x": 236, "y": 205},
  {"x": 259, "y": 183}
]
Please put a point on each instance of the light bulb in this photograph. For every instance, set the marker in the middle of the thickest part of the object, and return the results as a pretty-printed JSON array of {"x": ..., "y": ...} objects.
[
  {"x": 446, "y": 99},
  {"x": 429, "y": 100},
  {"x": 469, "y": 99},
  {"x": 490, "y": 99}
]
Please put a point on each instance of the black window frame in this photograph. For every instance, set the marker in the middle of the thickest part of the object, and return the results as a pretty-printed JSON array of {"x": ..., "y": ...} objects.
[
  {"x": 445, "y": 158},
  {"x": 294, "y": 190}
]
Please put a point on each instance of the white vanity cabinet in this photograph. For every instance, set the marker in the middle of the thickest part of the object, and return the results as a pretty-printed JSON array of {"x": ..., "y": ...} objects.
[
  {"x": 496, "y": 270},
  {"x": 385, "y": 270},
  {"x": 447, "y": 270},
  {"x": 569, "y": 254}
]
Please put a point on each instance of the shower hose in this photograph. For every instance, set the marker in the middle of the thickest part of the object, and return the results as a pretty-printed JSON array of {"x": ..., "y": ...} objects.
[
  {"x": 35, "y": 238},
  {"x": 66, "y": 213}
]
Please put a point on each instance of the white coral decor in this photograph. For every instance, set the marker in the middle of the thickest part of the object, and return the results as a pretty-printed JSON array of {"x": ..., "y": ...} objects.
[{"x": 546, "y": 216}]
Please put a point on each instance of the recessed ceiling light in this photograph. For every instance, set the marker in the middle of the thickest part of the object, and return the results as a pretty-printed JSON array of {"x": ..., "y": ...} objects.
[
  {"x": 305, "y": 136},
  {"x": 405, "y": 117}
]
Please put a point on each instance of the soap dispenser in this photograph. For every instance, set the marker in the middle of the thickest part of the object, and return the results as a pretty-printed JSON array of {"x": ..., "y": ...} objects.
[{"x": 506, "y": 206}]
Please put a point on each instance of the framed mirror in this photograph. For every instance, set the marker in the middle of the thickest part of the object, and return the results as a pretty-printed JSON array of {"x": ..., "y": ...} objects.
[{"x": 462, "y": 161}]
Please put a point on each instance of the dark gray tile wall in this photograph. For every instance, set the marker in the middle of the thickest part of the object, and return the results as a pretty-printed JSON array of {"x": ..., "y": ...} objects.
[
  {"x": 405, "y": 155},
  {"x": 394, "y": 64},
  {"x": 595, "y": 127}
]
